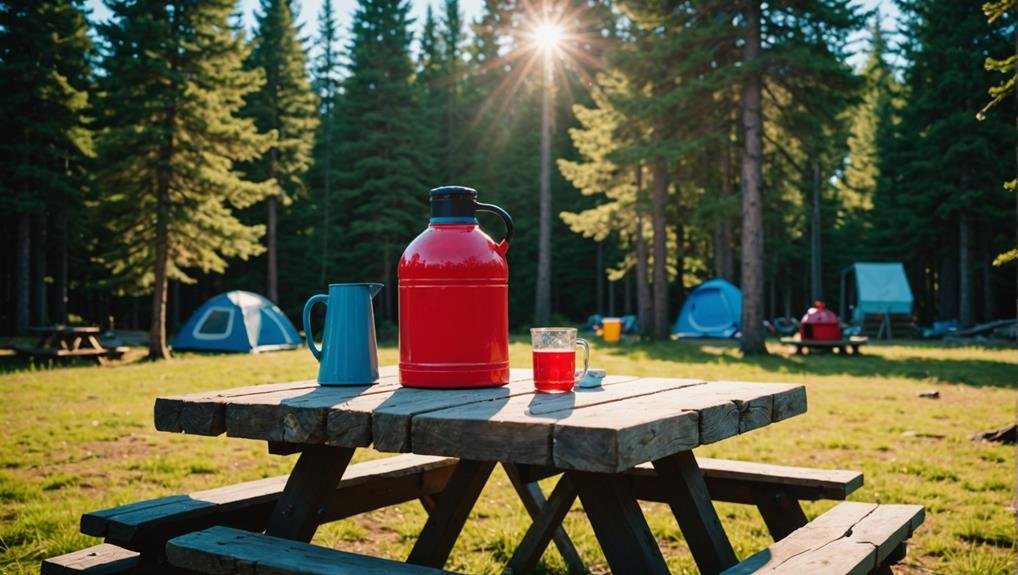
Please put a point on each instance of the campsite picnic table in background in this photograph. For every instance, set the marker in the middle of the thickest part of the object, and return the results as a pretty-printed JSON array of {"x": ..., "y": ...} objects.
[{"x": 61, "y": 342}]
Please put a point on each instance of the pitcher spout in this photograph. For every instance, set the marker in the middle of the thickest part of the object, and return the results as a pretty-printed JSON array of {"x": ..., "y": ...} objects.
[{"x": 373, "y": 289}]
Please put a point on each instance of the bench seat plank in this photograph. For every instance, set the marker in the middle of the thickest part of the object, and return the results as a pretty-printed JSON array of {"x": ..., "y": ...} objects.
[
  {"x": 852, "y": 538},
  {"x": 226, "y": 551},
  {"x": 804, "y": 483},
  {"x": 102, "y": 559},
  {"x": 365, "y": 486}
]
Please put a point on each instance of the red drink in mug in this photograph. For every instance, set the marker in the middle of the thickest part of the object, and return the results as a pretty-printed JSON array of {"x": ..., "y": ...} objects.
[{"x": 555, "y": 358}]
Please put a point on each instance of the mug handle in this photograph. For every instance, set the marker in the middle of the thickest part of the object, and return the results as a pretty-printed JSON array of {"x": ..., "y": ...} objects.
[
  {"x": 307, "y": 323},
  {"x": 586, "y": 359}
]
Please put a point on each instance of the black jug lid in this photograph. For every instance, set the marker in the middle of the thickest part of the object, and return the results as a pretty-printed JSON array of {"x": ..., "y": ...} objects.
[{"x": 453, "y": 205}]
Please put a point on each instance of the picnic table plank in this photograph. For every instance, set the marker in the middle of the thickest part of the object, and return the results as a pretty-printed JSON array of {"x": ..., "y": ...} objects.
[
  {"x": 297, "y": 416},
  {"x": 225, "y": 551},
  {"x": 852, "y": 538},
  {"x": 516, "y": 428},
  {"x": 204, "y": 413},
  {"x": 391, "y": 416}
]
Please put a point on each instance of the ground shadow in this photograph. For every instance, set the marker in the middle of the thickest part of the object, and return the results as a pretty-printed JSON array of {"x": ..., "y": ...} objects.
[{"x": 974, "y": 372}]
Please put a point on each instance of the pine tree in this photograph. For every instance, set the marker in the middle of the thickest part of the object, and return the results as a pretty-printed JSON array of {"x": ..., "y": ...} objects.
[
  {"x": 285, "y": 106},
  {"x": 943, "y": 170},
  {"x": 327, "y": 85},
  {"x": 380, "y": 175},
  {"x": 173, "y": 87},
  {"x": 44, "y": 80},
  {"x": 998, "y": 12}
]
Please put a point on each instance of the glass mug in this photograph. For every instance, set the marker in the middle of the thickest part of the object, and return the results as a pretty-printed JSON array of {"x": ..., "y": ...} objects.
[{"x": 555, "y": 358}]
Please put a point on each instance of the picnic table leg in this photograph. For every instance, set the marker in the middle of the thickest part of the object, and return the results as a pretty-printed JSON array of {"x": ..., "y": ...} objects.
[
  {"x": 313, "y": 479},
  {"x": 781, "y": 513},
  {"x": 686, "y": 493},
  {"x": 618, "y": 523},
  {"x": 547, "y": 516},
  {"x": 447, "y": 518}
]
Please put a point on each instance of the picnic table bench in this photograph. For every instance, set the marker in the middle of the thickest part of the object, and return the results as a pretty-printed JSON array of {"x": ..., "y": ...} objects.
[
  {"x": 629, "y": 440},
  {"x": 65, "y": 342},
  {"x": 840, "y": 345}
]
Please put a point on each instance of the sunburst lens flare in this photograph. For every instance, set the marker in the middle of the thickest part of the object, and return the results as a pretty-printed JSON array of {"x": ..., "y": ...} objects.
[{"x": 547, "y": 36}]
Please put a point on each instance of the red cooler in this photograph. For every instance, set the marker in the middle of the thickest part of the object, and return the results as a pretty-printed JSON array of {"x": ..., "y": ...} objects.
[
  {"x": 454, "y": 298},
  {"x": 820, "y": 323}
]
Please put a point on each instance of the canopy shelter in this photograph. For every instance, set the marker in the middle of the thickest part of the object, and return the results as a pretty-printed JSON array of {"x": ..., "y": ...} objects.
[
  {"x": 238, "y": 321},
  {"x": 713, "y": 309},
  {"x": 879, "y": 288}
]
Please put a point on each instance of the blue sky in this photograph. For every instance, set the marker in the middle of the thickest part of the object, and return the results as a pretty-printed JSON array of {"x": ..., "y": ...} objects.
[{"x": 309, "y": 10}]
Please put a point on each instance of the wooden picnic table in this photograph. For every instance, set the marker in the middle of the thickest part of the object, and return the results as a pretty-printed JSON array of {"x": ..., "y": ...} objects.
[
  {"x": 840, "y": 345},
  {"x": 592, "y": 437},
  {"x": 63, "y": 342}
]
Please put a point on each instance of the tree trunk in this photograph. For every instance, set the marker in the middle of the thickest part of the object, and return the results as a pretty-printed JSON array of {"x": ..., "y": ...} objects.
[
  {"x": 157, "y": 332},
  {"x": 752, "y": 207},
  {"x": 644, "y": 306},
  {"x": 989, "y": 312},
  {"x": 599, "y": 279},
  {"x": 60, "y": 277},
  {"x": 659, "y": 203},
  {"x": 22, "y": 283},
  {"x": 680, "y": 269},
  {"x": 38, "y": 297},
  {"x": 388, "y": 291},
  {"x": 816, "y": 288},
  {"x": 947, "y": 287},
  {"x": 542, "y": 302},
  {"x": 627, "y": 296},
  {"x": 326, "y": 194},
  {"x": 272, "y": 277},
  {"x": 964, "y": 272},
  {"x": 175, "y": 308},
  {"x": 724, "y": 261}
]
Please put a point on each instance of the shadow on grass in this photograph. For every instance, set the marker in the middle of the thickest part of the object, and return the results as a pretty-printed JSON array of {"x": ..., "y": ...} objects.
[
  {"x": 11, "y": 362},
  {"x": 966, "y": 371}
]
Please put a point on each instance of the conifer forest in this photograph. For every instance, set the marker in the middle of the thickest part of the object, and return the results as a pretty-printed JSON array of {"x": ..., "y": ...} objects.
[{"x": 169, "y": 152}]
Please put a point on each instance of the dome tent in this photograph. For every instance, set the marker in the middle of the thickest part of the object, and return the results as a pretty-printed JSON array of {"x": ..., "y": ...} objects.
[
  {"x": 713, "y": 309},
  {"x": 237, "y": 321}
]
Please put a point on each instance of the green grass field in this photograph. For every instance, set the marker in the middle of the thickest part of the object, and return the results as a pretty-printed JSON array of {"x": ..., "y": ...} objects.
[{"x": 81, "y": 438}]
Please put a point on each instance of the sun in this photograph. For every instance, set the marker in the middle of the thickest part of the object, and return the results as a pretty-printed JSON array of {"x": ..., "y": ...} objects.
[{"x": 547, "y": 36}]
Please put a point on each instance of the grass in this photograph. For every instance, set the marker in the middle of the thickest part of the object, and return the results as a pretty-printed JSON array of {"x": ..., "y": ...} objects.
[{"x": 81, "y": 438}]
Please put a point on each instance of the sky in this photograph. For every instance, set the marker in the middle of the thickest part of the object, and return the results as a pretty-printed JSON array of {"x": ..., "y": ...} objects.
[{"x": 471, "y": 9}]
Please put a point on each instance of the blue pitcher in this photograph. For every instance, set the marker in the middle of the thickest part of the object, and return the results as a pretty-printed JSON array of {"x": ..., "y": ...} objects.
[{"x": 349, "y": 353}]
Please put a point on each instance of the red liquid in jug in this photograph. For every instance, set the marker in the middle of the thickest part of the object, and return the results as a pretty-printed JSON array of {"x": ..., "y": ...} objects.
[{"x": 554, "y": 370}]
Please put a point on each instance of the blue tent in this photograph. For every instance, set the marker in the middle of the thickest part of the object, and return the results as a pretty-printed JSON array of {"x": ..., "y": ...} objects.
[
  {"x": 713, "y": 309},
  {"x": 237, "y": 321},
  {"x": 879, "y": 288}
]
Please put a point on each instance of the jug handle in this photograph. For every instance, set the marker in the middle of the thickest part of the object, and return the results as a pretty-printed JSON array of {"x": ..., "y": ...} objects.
[
  {"x": 506, "y": 219},
  {"x": 315, "y": 351}
]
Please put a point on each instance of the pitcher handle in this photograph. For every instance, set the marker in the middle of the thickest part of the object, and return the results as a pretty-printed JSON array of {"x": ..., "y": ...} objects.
[
  {"x": 586, "y": 359},
  {"x": 315, "y": 351},
  {"x": 506, "y": 219}
]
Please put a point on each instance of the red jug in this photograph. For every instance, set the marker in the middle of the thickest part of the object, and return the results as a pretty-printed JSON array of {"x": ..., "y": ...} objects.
[{"x": 454, "y": 298}]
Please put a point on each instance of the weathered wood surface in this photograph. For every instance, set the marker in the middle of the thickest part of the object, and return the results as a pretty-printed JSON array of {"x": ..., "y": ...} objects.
[
  {"x": 541, "y": 510},
  {"x": 853, "y": 538},
  {"x": 626, "y": 422},
  {"x": 446, "y": 520},
  {"x": 226, "y": 551},
  {"x": 805, "y": 483},
  {"x": 102, "y": 559},
  {"x": 146, "y": 525},
  {"x": 686, "y": 493},
  {"x": 619, "y": 524},
  {"x": 204, "y": 413},
  {"x": 547, "y": 524}
]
